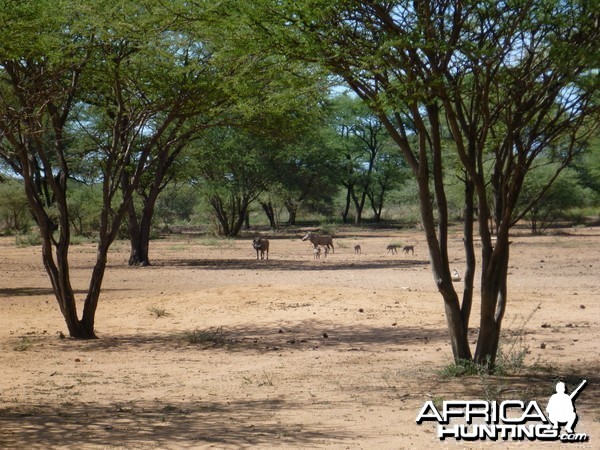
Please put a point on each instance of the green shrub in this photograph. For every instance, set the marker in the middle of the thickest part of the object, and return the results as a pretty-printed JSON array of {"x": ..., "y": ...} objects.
[{"x": 32, "y": 239}]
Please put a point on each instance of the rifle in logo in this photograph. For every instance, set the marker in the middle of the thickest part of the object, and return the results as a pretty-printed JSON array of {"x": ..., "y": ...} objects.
[{"x": 560, "y": 407}]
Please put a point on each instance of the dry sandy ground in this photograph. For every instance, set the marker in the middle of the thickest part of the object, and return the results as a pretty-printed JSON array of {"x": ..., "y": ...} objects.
[{"x": 291, "y": 352}]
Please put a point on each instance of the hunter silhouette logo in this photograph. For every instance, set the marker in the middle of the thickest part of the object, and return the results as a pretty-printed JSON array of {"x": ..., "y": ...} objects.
[
  {"x": 560, "y": 408},
  {"x": 511, "y": 419}
]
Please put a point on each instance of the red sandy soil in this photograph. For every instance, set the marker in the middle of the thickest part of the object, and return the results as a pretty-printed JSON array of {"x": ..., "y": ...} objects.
[{"x": 292, "y": 352}]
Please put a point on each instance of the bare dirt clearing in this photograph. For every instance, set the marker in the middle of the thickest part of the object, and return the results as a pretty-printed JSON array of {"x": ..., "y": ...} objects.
[{"x": 211, "y": 348}]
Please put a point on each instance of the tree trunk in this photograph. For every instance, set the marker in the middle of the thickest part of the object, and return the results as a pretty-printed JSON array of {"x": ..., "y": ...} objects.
[
  {"x": 230, "y": 217},
  {"x": 270, "y": 212},
  {"x": 441, "y": 274},
  {"x": 377, "y": 216},
  {"x": 493, "y": 302},
  {"x": 292, "y": 209},
  {"x": 377, "y": 203},
  {"x": 221, "y": 215},
  {"x": 363, "y": 199},
  {"x": 438, "y": 244},
  {"x": 247, "y": 220},
  {"x": 358, "y": 207},
  {"x": 471, "y": 262},
  {"x": 242, "y": 208},
  {"x": 93, "y": 295},
  {"x": 139, "y": 237},
  {"x": 55, "y": 259},
  {"x": 346, "y": 209}
]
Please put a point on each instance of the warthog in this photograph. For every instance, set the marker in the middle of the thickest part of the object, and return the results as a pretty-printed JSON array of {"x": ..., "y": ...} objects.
[
  {"x": 261, "y": 245},
  {"x": 392, "y": 248},
  {"x": 317, "y": 252},
  {"x": 357, "y": 249},
  {"x": 315, "y": 240},
  {"x": 409, "y": 248}
]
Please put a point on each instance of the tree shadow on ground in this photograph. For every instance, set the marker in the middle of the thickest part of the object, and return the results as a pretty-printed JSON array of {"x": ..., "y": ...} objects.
[
  {"x": 292, "y": 265},
  {"x": 304, "y": 335},
  {"x": 37, "y": 291},
  {"x": 25, "y": 292},
  {"x": 527, "y": 384},
  {"x": 160, "y": 424}
]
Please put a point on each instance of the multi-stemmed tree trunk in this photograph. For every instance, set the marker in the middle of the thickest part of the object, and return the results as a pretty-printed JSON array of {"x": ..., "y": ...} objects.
[
  {"x": 377, "y": 199},
  {"x": 39, "y": 154},
  {"x": 38, "y": 95},
  {"x": 230, "y": 213},
  {"x": 292, "y": 208},
  {"x": 267, "y": 207},
  {"x": 140, "y": 230},
  {"x": 109, "y": 92},
  {"x": 139, "y": 224}
]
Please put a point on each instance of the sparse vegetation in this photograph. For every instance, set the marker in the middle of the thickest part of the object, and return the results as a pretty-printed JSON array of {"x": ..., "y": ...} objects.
[
  {"x": 31, "y": 239},
  {"x": 23, "y": 345},
  {"x": 209, "y": 336},
  {"x": 217, "y": 242},
  {"x": 510, "y": 360},
  {"x": 158, "y": 312}
]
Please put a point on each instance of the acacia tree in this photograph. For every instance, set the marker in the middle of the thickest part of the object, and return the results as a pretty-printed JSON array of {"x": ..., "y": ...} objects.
[
  {"x": 509, "y": 80},
  {"x": 308, "y": 175},
  {"x": 58, "y": 71},
  {"x": 40, "y": 76},
  {"x": 390, "y": 172},
  {"x": 179, "y": 98},
  {"x": 362, "y": 136},
  {"x": 233, "y": 167},
  {"x": 566, "y": 192}
]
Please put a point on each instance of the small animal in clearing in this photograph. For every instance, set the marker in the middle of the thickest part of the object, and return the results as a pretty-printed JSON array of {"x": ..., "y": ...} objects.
[
  {"x": 409, "y": 248},
  {"x": 261, "y": 245},
  {"x": 315, "y": 240},
  {"x": 357, "y": 249},
  {"x": 392, "y": 248}
]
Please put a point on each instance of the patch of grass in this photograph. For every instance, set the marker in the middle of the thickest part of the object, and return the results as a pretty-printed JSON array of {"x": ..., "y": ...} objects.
[
  {"x": 328, "y": 228},
  {"x": 510, "y": 360},
  {"x": 438, "y": 402},
  {"x": 491, "y": 390},
  {"x": 158, "y": 312},
  {"x": 23, "y": 345},
  {"x": 459, "y": 369},
  {"x": 79, "y": 240},
  {"x": 28, "y": 240},
  {"x": 267, "y": 380},
  {"x": 217, "y": 242},
  {"x": 210, "y": 336},
  {"x": 512, "y": 350}
]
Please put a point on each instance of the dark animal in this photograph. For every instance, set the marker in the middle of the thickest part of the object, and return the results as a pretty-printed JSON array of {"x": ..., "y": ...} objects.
[
  {"x": 357, "y": 249},
  {"x": 316, "y": 240},
  {"x": 392, "y": 248},
  {"x": 409, "y": 248},
  {"x": 261, "y": 245}
]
